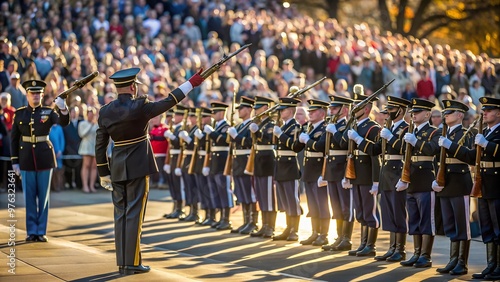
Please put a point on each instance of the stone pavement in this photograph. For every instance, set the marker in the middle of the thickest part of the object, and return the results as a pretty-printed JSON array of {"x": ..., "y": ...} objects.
[{"x": 81, "y": 248}]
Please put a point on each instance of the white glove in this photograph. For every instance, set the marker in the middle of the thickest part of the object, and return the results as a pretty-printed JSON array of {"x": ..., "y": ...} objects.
[
  {"x": 253, "y": 127},
  {"x": 386, "y": 134},
  {"x": 166, "y": 168},
  {"x": 168, "y": 134},
  {"x": 304, "y": 137},
  {"x": 16, "y": 169},
  {"x": 198, "y": 133},
  {"x": 410, "y": 138},
  {"x": 277, "y": 131},
  {"x": 481, "y": 141},
  {"x": 436, "y": 187},
  {"x": 444, "y": 142},
  {"x": 205, "y": 171},
  {"x": 331, "y": 128},
  {"x": 232, "y": 132},
  {"x": 178, "y": 171},
  {"x": 353, "y": 135},
  {"x": 374, "y": 190},
  {"x": 401, "y": 186},
  {"x": 61, "y": 104},
  {"x": 185, "y": 136},
  {"x": 208, "y": 129},
  {"x": 321, "y": 182},
  {"x": 346, "y": 183},
  {"x": 106, "y": 182}
]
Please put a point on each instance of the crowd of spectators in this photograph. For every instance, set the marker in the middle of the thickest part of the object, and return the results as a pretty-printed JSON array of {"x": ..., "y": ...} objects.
[{"x": 61, "y": 41}]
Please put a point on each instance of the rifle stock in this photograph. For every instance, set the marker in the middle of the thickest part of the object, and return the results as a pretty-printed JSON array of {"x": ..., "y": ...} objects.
[
  {"x": 478, "y": 182},
  {"x": 350, "y": 169},
  {"x": 194, "y": 157},
  {"x": 405, "y": 174},
  {"x": 441, "y": 175}
]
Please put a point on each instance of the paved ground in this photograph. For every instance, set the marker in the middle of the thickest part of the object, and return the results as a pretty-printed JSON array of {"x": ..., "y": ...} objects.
[{"x": 81, "y": 248}]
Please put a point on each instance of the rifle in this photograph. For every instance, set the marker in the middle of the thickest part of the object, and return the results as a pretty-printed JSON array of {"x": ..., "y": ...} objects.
[
  {"x": 180, "y": 160},
  {"x": 194, "y": 158},
  {"x": 405, "y": 174},
  {"x": 208, "y": 157},
  {"x": 327, "y": 141},
  {"x": 388, "y": 123},
  {"x": 78, "y": 84},
  {"x": 441, "y": 175},
  {"x": 229, "y": 161},
  {"x": 474, "y": 123},
  {"x": 350, "y": 171},
  {"x": 478, "y": 182},
  {"x": 206, "y": 73},
  {"x": 168, "y": 157}
]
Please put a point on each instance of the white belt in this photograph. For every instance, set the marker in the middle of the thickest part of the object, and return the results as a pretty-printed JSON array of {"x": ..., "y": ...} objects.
[
  {"x": 264, "y": 147},
  {"x": 489, "y": 164},
  {"x": 286, "y": 153},
  {"x": 202, "y": 153},
  {"x": 453, "y": 161},
  {"x": 393, "y": 157},
  {"x": 337, "y": 153},
  {"x": 359, "y": 153},
  {"x": 188, "y": 152},
  {"x": 219, "y": 149},
  {"x": 241, "y": 152},
  {"x": 175, "y": 151},
  {"x": 309, "y": 154},
  {"x": 416, "y": 159}
]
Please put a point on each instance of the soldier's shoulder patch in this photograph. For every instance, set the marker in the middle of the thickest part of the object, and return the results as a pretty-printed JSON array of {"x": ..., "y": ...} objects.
[
  {"x": 317, "y": 134},
  {"x": 342, "y": 128},
  {"x": 400, "y": 131},
  {"x": 21, "y": 108},
  {"x": 425, "y": 133},
  {"x": 46, "y": 111},
  {"x": 270, "y": 130}
]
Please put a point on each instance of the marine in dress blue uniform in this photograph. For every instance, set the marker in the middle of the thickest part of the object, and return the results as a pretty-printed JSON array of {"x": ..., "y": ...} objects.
[
  {"x": 132, "y": 161},
  {"x": 454, "y": 196},
  {"x": 489, "y": 202},
  {"x": 33, "y": 155}
]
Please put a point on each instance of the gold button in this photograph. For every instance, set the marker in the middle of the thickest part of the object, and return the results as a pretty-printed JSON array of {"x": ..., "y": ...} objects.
[
  {"x": 360, "y": 161},
  {"x": 319, "y": 159},
  {"x": 33, "y": 145},
  {"x": 420, "y": 167},
  {"x": 333, "y": 158}
]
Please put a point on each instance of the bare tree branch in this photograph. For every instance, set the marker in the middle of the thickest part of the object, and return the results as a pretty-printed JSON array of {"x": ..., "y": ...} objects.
[{"x": 400, "y": 19}]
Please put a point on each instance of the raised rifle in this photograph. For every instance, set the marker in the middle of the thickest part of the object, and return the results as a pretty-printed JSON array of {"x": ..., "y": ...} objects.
[
  {"x": 194, "y": 158},
  {"x": 79, "y": 84},
  {"x": 328, "y": 140},
  {"x": 405, "y": 174},
  {"x": 441, "y": 175},
  {"x": 229, "y": 161},
  {"x": 180, "y": 160},
  {"x": 478, "y": 182},
  {"x": 206, "y": 73}
]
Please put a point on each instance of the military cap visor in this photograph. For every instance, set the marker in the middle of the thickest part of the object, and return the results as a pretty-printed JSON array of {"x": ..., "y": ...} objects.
[
  {"x": 261, "y": 101},
  {"x": 337, "y": 101},
  {"x": 191, "y": 111},
  {"x": 37, "y": 86},
  {"x": 418, "y": 105},
  {"x": 218, "y": 107},
  {"x": 451, "y": 106},
  {"x": 394, "y": 102},
  {"x": 489, "y": 103},
  {"x": 317, "y": 104},
  {"x": 245, "y": 102},
  {"x": 206, "y": 112},
  {"x": 126, "y": 77},
  {"x": 180, "y": 110},
  {"x": 287, "y": 102}
]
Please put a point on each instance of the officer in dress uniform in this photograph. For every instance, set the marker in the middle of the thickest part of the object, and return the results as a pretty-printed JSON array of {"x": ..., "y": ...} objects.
[
  {"x": 317, "y": 197},
  {"x": 287, "y": 171},
  {"x": 367, "y": 167},
  {"x": 127, "y": 175},
  {"x": 243, "y": 189},
  {"x": 33, "y": 155},
  {"x": 190, "y": 187},
  {"x": 420, "y": 197},
  {"x": 393, "y": 201},
  {"x": 264, "y": 168},
  {"x": 454, "y": 196},
  {"x": 340, "y": 199},
  {"x": 218, "y": 182},
  {"x": 178, "y": 186},
  {"x": 489, "y": 202},
  {"x": 202, "y": 180}
]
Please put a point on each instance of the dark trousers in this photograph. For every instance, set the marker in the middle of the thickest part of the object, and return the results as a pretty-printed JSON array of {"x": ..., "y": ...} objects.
[
  {"x": 223, "y": 187},
  {"x": 266, "y": 195},
  {"x": 190, "y": 189},
  {"x": 213, "y": 193},
  {"x": 176, "y": 189},
  {"x": 203, "y": 191},
  {"x": 289, "y": 193},
  {"x": 420, "y": 207},
  {"x": 365, "y": 205},
  {"x": 393, "y": 209},
  {"x": 72, "y": 172},
  {"x": 243, "y": 189},
  {"x": 456, "y": 221},
  {"x": 489, "y": 218},
  {"x": 317, "y": 200},
  {"x": 129, "y": 198},
  {"x": 341, "y": 201}
]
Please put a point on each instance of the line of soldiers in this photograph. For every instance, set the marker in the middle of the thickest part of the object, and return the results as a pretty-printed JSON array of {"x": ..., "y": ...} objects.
[{"x": 349, "y": 160}]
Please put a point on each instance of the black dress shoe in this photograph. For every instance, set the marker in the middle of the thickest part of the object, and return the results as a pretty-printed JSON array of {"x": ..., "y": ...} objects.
[
  {"x": 31, "y": 238},
  {"x": 42, "y": 238},
  {"x": 120, "y": 269},
  {"x": 128, "y": 270}
]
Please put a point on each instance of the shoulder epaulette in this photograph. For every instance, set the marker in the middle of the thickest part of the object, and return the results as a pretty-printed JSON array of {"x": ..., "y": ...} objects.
[{"x": 21, "y": 108}]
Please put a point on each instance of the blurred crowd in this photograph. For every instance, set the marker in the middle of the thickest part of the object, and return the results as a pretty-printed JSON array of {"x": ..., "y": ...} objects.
[{"x": 61, "y": 41}]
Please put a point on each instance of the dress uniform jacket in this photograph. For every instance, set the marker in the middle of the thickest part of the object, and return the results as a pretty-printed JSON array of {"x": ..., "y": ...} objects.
[
  {"x": 219, "y": 139},
  {"x": 131, "y": 142},
  {"x": 188, "y": 147},
  {"x": 287, "y": 167},
  {"x": 30, "y": 126},
  {"x": 422, "y": 173},
  {"x": 312, "y": 164},
  {"x": 335, "y": 169},
  {"x": 175, "y": 145},
  {"x": 490, "y": 176},
  {"x": 264, "y": 158},
  {"x": 391, "y": 169},
  {"x": 202, "y": 152},
  {"x": 243, "y": 141}
]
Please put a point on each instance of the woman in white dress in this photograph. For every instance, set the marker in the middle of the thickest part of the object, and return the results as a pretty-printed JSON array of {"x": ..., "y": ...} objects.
[{"x": 87, "y": 131}]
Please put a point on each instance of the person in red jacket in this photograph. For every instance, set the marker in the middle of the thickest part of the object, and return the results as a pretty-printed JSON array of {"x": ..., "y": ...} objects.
[{"x": 425, "y": 89}]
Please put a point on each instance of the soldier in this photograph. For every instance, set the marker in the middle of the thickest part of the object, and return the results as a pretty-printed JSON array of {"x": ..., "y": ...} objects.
[
  {"x": 420, "y": 197},
  {"x": 190, "y": 187},
  {"x": 392, "y": 201},
  {"x": 242, "y": 182},
  {"x": 127, "y": 175},
  {"x": 367, "y": 167},
  {"x": 489, "y": 202},
  {"x": 264, "y": 168},
  {"x": 219, "y": 184},
  {"x": 33, "y": 157},
  {"x": 340, "y": 198},
  {"x": 317, "y": 197},
  {"x": 287, "y": 172},
  {"x": 454, "y": 195},
  {"x": 177, "y": 187}
]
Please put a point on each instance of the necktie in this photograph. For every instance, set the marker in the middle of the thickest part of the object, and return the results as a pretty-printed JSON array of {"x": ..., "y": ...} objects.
[
  {"x": 486, "y": 132},
  {"x": 309, "y": 128}
]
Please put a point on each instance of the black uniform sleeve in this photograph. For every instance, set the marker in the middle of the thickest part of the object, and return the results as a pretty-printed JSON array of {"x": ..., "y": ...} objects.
[
  {"x": 397, "y": 142},
  {"x": 101, "y": 146},
  {"x": 152, "y": 109},
  {"x": 15, "y": 139},
  {"x": 430, "y": 146}
]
